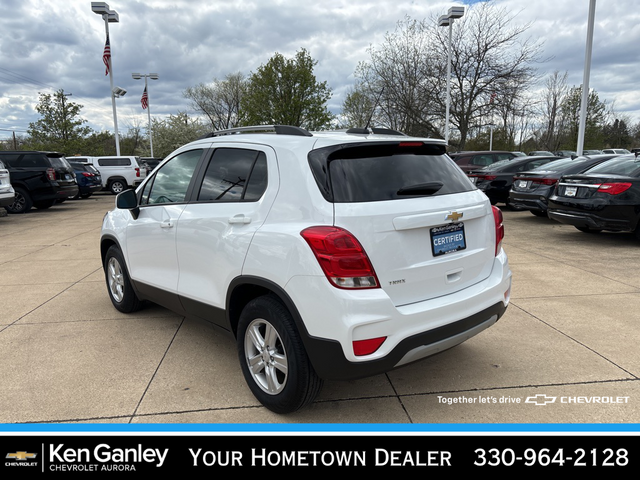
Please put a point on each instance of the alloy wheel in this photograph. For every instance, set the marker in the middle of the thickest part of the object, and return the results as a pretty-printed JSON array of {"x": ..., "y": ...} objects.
[{"x": 266, "y": 357}]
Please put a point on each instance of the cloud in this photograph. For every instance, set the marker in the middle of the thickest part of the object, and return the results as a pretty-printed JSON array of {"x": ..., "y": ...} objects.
[{"x": 45, "y": 47}]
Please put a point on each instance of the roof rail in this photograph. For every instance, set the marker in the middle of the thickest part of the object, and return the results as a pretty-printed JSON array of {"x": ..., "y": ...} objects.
[
  {"x": 278, "y": 129},
  {"x": 375, "y": 130}
]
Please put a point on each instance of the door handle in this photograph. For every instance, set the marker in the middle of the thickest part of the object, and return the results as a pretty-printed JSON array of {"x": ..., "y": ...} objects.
[
  {"x": 240, "y": 219},
  {"x": 166, "y": 224}
]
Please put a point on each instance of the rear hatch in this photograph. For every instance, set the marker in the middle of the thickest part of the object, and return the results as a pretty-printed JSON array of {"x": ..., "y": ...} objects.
[
  {"x": 426, "y": 229},
  {"x": 63, "y": 172}
]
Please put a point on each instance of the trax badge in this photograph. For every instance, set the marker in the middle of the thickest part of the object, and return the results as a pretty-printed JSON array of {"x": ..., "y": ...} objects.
[{"x": 454, "y": 216}]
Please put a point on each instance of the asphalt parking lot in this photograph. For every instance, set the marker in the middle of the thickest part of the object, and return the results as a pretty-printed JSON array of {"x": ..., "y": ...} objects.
[{"x": 569, "y": 341}]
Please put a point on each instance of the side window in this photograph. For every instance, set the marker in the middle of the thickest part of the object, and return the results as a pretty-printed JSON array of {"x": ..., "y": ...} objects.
[
  {"x": 503, "y": 156},
  {"x": 11, "y": 160},
  {"x": 234, "y": 175},
  {"x": 114, "y": 162},
  {"x": 171, "y": 182},
  {"x": 482, "y": 160},
  {"x": 33, "y": 160}
]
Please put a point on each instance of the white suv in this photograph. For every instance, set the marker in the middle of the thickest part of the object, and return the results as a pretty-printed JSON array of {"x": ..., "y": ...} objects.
[{"x": 332, "y": 255}]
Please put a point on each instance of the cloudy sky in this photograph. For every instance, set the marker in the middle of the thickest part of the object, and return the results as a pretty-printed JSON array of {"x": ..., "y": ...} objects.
[{"x": 47, "y": 46}]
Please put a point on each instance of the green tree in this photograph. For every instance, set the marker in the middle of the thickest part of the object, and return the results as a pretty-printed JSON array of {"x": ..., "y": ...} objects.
[
  {"x": 595, "y": 119},
  {"x": 357, "y": 108},
  {"x": 285, "y": 92},
  {"x": 174, "y": 132},
  {"x": 59, "y": 127}
]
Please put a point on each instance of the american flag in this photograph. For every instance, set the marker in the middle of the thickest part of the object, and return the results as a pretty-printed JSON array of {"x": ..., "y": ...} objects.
[
  {"x": 106, "y": 56},
  {"x": 145, "y": 99}
]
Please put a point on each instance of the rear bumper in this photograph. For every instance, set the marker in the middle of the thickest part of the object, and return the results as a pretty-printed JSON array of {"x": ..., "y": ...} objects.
[
  {"x": 592, "y": 221},
  {"x": 412, "y": 331},
  {"x": 528, "y": 201}
]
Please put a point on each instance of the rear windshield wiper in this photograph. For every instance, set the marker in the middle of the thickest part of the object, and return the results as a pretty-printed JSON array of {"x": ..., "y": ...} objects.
[{"x": 421, "y": 189}]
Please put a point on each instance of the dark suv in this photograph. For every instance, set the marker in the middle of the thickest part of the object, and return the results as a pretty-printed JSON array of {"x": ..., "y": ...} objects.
[
  {"x": 468, "y": 161},
  {"x": 39, "y": 179}
]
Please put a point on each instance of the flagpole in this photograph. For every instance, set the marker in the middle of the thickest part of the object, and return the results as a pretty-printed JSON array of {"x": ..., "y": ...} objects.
[
  {"x": 149, "y": 115},
  {"x": 102, "y": 9},
  {"x": 113, "y": 97},
  {"x": 146, "y": 104}
]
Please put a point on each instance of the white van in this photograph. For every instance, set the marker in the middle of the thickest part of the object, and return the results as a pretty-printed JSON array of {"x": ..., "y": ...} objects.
[{"x": 118, "y": 172}]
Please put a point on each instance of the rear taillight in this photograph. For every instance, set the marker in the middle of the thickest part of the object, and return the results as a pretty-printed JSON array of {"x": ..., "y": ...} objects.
[
  {"x": 497, "y": 219},
  {"x": 51, "y": 174},
  {"x": 342, "y": 258},
  {"x": 488, "y": 178},
  {"x": 541, "y": 181},
  {"x": 614, "y": 188},
  {"x": 87, "y": 174},
  {"x": 137, "y": 172}
]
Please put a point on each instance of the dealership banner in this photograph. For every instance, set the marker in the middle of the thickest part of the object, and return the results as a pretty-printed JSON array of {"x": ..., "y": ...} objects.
[{"x": 234, "y": 453}]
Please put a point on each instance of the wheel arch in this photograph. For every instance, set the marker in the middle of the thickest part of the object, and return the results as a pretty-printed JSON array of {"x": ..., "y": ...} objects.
[
  {"x": 106, "y": 242},
  {"x": 243, "y": 289}
]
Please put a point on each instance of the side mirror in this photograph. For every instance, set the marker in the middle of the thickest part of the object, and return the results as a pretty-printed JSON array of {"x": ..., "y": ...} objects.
[{"x": 128, "y": 200}]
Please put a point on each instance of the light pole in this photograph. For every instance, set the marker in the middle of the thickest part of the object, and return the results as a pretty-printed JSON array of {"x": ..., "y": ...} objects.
[
  {"x": 447, "y": 21},
  {"x": 585, "y": 80},
  {"x": 152, "y": 76},
  {"x": 491, "y": 127},
  {"x": 109, "y": 16}
]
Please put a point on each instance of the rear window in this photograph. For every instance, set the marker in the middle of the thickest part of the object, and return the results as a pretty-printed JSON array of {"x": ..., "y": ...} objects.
[
  {"x": 378, "y": 172},
  {"x": 627, "y": 165},
  {"x": 114, "y": 162}
]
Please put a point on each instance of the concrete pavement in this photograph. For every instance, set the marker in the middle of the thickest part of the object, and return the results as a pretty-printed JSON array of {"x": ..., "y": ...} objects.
[{"x": 569, "y": 341}]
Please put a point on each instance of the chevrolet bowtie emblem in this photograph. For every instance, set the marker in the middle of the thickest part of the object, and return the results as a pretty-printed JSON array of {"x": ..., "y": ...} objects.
[
  {"x": 21, "y": 455},
  {"x": 454, "y": 216}
]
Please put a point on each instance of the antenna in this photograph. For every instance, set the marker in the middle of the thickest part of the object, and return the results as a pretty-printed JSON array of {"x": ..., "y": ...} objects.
[{"x": 375, "y": 105}]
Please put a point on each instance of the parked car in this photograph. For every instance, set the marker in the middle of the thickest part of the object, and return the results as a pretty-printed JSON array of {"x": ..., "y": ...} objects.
[
  {"x": 118, "y": 173},
  {"x": 566, "y": 153},
  {"x": 592, "y": 152},
  {"x": 88, "y": 178},
  {"x": 519, "y": 154},
  {"x": 40, "y": 179},
  {"x": 151, "y": 163},
  {"x": 531, "y": 189},
  {"x": 617, "y": 151},
  {"x": 331, "y": 255},
  {"x": 468, "y": 161},
  {"x": 7, "y": 194},
  {"x": 542, "y": 153},
  {"x": 606, "y": 197},
  {"x": 496, "y": 180}
]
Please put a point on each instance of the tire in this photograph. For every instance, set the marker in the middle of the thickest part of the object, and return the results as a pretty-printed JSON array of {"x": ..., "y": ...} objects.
[
  {"x": 539, "y": 213},
  {"x": 274, "y": 362},
  {"x": 117, "y": 186},
  {"x": 85, "y": 195},
  {"x": 589, "y": 230},
  {"x": 22, "y": 202},
  {"x": 119, "y": 286}
]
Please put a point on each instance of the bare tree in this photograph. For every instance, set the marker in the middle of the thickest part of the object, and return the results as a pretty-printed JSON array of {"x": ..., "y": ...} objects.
[
  {"x": 554, "y": 123},
  {"x": 491, "y": 71},
  {"x": 492, "y": 65},
  {"x": 220, "y": 100},
  {"x": 400, "y": 69}
]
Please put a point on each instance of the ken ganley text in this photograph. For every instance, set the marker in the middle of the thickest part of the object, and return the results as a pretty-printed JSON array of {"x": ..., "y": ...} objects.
[
  {"x": 320, "y": 458},
  {"x": 103, "y": 457}
]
